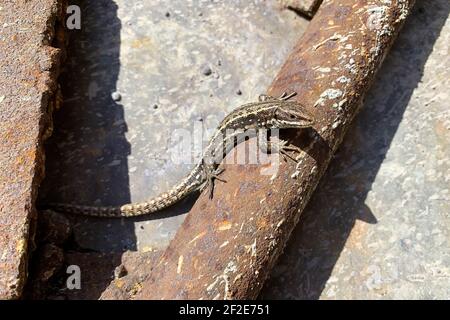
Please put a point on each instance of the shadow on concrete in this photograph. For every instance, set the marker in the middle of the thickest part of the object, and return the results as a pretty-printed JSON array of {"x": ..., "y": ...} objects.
[
  {"x": 86, "y": 157},
  {"x": 325, "y": 226}
]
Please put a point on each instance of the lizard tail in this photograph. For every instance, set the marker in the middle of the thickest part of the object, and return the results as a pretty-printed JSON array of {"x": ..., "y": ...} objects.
[
  {"x": 106, "y": 212},
  {"x": 158, "y": 203},
  {"x": 162, "y": 201},
  {"x": 127, "y": 210},
  {"x": 166, "y": 199}
]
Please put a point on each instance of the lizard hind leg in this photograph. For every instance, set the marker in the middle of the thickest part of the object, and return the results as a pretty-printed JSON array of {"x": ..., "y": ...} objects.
[{"x": 211, "y": 174}]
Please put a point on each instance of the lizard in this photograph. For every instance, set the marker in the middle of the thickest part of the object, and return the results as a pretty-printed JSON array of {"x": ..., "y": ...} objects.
[{"x": 268, "y": 112}]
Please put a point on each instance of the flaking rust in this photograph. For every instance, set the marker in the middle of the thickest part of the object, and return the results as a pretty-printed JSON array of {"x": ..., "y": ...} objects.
[
  {"x": 28, "y": 71},
  {"x": 227, "y": 246}
]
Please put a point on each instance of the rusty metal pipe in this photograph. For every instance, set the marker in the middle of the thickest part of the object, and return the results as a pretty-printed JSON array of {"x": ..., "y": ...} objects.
[{"x": 227, "y": 246}]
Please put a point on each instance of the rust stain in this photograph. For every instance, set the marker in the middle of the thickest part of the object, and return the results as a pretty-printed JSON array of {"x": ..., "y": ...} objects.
[
  {"x": 180, "y": 264},
  {"x": 261, "y": 223},
  {"x": 198, "y": 236},
  {"x": 224, "y": 225}
]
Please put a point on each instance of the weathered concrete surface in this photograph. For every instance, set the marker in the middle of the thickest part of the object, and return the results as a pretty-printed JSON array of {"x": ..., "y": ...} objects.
[
  {"x": 378, "y": 225},
  {"x": 28, "y": 68}
]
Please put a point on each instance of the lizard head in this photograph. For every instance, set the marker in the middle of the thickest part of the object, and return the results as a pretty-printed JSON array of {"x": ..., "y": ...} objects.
[{"x": 290, "y": 115}]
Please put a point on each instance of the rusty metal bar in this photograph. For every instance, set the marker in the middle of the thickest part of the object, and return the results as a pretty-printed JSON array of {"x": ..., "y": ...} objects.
[
  {"x": 227, "y": 246},
  {"x": 29, "y": 67}
]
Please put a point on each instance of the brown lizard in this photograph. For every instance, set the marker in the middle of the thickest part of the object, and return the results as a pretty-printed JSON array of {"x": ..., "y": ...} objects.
[{"x": 268, "y": 112}]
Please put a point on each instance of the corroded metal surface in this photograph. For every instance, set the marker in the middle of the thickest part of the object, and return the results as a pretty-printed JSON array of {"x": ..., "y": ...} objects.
[
  {"x": 29, "y": 66},
  {"x": 227, "y": 246}
]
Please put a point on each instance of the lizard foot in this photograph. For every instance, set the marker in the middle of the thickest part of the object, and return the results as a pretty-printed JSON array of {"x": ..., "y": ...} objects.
[
  {"x": 284, "y": 96},
  {"x": 211, "y": 174},
  {"x": 280, "y": 146}
]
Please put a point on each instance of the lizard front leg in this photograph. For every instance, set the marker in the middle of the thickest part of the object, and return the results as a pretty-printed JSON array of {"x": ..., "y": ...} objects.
[{"x": 284, "y": 96}]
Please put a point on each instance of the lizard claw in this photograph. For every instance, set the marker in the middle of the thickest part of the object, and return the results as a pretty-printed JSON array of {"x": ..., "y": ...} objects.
[
  {"x": 282, "y": 147},
  {"x": 284, "y": 96}
]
